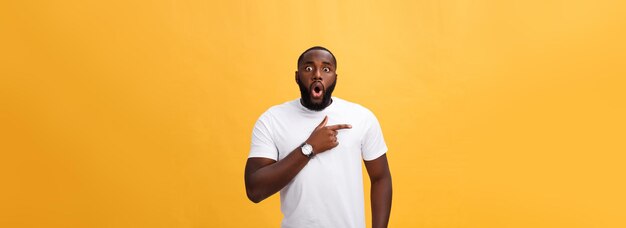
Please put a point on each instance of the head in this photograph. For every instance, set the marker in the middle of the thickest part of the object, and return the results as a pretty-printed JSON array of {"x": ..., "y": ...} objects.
[{"x": 316, "y": 76}]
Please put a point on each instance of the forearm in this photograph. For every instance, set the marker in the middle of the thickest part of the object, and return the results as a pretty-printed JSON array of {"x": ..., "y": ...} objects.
[
  {"x": 381, "y": 195},
  {"x": 265, "y": 181}
]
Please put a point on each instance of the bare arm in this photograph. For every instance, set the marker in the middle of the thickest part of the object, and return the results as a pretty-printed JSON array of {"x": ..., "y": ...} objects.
[
  {"x": 264, "y": 177},
  {"x": 381, "y": 194}
]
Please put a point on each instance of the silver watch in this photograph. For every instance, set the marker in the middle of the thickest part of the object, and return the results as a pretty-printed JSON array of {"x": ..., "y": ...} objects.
[{"x": 307, "y": 150}]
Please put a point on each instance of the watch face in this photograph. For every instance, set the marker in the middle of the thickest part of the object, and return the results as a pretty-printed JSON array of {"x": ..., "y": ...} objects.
[{"x": 307, "y": 149}]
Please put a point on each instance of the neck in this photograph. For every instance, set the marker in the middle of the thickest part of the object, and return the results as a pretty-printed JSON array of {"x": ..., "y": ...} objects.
[{"x": 317, "y": 110}]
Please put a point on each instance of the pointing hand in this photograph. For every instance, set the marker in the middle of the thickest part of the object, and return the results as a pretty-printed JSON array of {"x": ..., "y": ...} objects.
[{"x": 324, "y": 137}]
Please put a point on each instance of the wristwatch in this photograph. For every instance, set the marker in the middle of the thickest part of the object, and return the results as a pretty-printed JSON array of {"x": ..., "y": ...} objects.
[{"x": 307, "y": 150}]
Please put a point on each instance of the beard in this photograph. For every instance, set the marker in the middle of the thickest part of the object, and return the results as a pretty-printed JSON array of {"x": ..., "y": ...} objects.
[{"x": 307, "y": 102}]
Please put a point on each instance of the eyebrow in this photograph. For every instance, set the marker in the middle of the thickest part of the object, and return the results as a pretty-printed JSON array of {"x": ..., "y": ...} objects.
[{"x": 311, "y": 62}]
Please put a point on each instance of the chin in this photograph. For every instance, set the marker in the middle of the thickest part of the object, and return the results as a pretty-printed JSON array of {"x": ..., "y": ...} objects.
[{"x": 316, "y": 104}]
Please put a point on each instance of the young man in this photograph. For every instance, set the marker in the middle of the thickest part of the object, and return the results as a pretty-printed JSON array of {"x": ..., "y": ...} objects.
[{"x": 310, "y": 149}]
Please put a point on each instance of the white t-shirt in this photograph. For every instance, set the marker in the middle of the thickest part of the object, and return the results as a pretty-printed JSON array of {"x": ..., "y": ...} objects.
[{"x": 328, "y": 191}]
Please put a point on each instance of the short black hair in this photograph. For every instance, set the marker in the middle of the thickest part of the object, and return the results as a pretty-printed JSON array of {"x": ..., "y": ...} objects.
[{"x": 317, "y": 48}]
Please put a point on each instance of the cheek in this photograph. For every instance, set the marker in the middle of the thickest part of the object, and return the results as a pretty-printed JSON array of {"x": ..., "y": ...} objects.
[
  {"x": 330, "y": 80},
  {"x": 304, "y": 77},
  {"x": 303, "y": 82},
  {"x": 300, "y": 79}
]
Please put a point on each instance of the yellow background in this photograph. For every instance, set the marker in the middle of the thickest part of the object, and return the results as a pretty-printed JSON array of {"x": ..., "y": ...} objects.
[{"x": 139, "y": 113}]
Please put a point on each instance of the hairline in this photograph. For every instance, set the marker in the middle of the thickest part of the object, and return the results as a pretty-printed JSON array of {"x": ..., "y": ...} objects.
[{"x": 334, "y": 61}]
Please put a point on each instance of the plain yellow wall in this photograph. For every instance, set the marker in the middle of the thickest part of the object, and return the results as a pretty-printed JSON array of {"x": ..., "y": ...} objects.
[{"x": 139, "y": 113}]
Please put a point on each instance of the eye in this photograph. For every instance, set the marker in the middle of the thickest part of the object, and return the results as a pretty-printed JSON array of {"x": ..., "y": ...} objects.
[
  {"x": 308, "y": 68},
  {"x": 326, "y": 69}
]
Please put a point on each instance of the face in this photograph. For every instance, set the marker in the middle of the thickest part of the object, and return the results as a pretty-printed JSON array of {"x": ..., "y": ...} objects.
[{"x": 316, "y": 78}]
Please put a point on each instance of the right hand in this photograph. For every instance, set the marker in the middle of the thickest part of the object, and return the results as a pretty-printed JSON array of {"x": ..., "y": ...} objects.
[{"x": 324, "y": 137}]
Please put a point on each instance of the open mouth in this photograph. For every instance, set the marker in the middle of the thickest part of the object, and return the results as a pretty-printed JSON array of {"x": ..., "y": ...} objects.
[{"x": 317, "y": 90}]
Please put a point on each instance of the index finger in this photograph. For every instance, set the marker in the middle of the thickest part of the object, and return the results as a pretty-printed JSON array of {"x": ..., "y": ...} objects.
[
  {"x": 339, "y": 127},
  {"x": 323, "y": 123}
]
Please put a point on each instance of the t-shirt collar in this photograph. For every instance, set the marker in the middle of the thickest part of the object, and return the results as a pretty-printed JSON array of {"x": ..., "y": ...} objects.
[{"x": 305, "y": 109}]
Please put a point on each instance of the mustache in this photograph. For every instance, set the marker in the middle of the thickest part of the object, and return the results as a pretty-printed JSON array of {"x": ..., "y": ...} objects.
[
  {"x": 322, "y": 87},
  {"x": 306, "y": 100}
]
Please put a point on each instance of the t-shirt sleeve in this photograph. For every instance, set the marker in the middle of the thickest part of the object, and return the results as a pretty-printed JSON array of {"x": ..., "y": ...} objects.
[
  {"x": 262, "y": 143},
  {"x": 373, "y": 144}
]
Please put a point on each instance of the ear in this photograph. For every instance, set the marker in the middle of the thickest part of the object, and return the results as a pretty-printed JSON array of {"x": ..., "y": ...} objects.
[{"x": 296, "y": 74}]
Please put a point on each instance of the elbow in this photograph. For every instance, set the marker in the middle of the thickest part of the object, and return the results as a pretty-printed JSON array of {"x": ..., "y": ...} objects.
[
  {"x": 253, "y": 196},
  {"x": 254, "y": 199},
  {"x": 252, "y": 191}
]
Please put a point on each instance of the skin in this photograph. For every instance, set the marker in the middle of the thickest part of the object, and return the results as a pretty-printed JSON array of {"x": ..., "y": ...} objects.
[
  {"x": 317, "y": 66},
  {"x": 264, "y": 177}
]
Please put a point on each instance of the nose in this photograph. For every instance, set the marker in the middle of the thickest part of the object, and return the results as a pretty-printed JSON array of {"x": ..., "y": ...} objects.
[{"x": 317, "y": 75}]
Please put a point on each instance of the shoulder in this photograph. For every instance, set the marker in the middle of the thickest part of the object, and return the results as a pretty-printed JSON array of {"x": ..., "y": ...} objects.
[
  {"x": 280, "y": 110},
  {"x": 354, "y": 108}
]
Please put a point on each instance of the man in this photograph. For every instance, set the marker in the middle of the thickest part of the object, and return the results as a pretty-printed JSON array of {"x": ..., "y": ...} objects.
[{"x": 310, "y": 149}]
